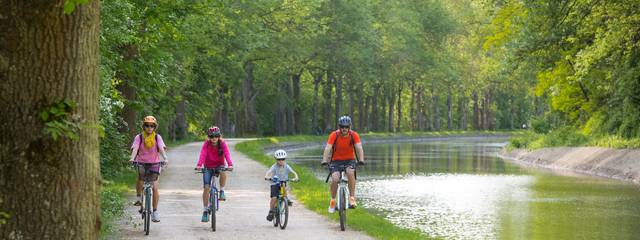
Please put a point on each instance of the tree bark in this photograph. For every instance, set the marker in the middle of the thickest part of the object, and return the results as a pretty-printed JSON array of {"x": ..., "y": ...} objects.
[
  {"x": 399, "y": 118},
  {"x": 391, "y": 100},
  {"x": 328, "y": 126},
  {"x": 297, "y": 112},
  {"x": 248, "y": 94},
  {"x": 436, "y": 112},
  {"x": 361, "y": 108},
  {"x": 181, "y": 120},
  {"x": 50, "y": 188},
  {"x": 129, "y": 53},
  {"x": 476, "y": 115},
  {"x": 317, "y": 79},
  {"x": 449, "y": 111},
  {"x": 462, "y": 113},
  {"x": 338, "y": 81}
]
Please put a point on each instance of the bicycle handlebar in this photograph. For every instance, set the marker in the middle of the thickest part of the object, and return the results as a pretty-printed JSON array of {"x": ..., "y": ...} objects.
[{"x": 203, "y": 169}]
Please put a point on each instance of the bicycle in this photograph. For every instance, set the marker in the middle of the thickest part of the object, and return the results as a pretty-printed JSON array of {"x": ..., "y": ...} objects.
[
  {"x": 282, "y": 204},
  {"x": 214, "y": 200},
  {"x": 342, "y": 198},
  {"x": 147, "y": 189}
]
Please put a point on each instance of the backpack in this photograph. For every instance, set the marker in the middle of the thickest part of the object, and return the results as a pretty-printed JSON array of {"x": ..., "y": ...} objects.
[{"x": 336, "y": 140}]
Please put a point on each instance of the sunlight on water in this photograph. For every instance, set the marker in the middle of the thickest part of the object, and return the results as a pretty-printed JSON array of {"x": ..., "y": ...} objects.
[{"x": 450, "y": 206}]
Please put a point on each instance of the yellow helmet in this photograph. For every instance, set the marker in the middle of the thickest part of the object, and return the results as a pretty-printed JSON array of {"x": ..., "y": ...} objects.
[{"x": 150, "y": 119}]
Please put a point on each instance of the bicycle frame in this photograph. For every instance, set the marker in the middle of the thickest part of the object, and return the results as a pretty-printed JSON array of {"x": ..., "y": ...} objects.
[
  {"x": 147, "y": 190},
  {"x": 214, "y": 201}
]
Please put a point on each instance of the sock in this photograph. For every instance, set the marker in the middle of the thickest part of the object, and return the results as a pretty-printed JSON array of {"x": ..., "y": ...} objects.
[{"x": 155, "y": 209}]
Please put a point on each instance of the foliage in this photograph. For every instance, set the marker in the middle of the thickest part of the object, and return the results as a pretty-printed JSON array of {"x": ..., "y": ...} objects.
[{"x": 59, "y": 121}]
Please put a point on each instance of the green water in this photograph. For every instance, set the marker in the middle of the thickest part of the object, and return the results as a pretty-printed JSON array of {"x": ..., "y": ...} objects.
[{"x": 460, "y": 190}]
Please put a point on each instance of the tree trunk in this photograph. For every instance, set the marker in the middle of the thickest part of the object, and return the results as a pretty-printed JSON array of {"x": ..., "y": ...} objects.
[
  {"x": 361, "y": 108},
  {"x": 449, "y": 111},
  {"x": 374, "y": 111},
  {"x": 338, "y": 81},
  {"x": 366, "y": 114},
  {"x": 328, "y": 126},
  {"x": 248, "y": 94},
  {"x": 129, "y": 53},
  {"x": 50, "y": 188},
  {"x": 181, "y": 120},
  {"x": 419, "y": 110},
  {"x": 317, "y": 79},
  {"x": 351, "y": 95},
  {"x": 476, "y": 114},
  {"x": 462, "y": 113},
  {"x": 296, "y": 118},
  {"x": 399, "y": 108},
  {"x": 436, "y": 112},
  {"x": 390, "y": 127}
]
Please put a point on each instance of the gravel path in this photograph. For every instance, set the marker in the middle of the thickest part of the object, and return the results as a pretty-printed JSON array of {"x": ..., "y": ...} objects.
[{"x": 242, "y": 216}]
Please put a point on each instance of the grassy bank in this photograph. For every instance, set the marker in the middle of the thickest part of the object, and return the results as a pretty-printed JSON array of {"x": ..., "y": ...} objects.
[
  {"x": 113, "y": 197},
  {"x": 314, "y": 194},
  {"x": 374, "y": 135},
  {"x": 568, "y": 137}
]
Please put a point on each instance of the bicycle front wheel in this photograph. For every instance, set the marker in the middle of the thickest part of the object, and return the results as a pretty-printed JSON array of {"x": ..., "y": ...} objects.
[
  {"x": 342, "y": 208},
  {"x": 214, "y": 209},
  {"x": 147, "y": 211},
  {"x": 283, "y": 212}
]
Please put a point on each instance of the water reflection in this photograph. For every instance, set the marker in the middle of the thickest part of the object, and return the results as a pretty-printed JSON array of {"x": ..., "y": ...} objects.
[{"x": 460, "y": 190}]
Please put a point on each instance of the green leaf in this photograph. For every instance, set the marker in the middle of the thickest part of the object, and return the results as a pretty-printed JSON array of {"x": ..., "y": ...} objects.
[{"x": 69, "y": 6}]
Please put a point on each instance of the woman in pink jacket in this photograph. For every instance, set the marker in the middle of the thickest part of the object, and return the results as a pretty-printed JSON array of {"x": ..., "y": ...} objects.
[{"x": 213, "y": 155}]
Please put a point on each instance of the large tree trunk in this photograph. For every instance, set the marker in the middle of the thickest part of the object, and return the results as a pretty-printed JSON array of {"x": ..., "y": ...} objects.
[
  {"x": 289, "y": 108},
  {"x": 129, "y": 52},
  {"x": 328, "y": 126},
  {"x": 476, "y": 114},
  {"x": 50, "y": 187},
  {"x": 449, "y": 111},
  {"x": 367, "y": 114},
  {"x": 351, "y": 95},
  {"x": 374, "y": 110},
  {"x": 248, "y": 95},
  {"x": 317, "y": 78}
]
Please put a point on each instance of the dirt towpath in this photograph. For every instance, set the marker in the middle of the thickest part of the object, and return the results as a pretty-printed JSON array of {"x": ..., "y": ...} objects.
[{"x": 242, "y": 216}]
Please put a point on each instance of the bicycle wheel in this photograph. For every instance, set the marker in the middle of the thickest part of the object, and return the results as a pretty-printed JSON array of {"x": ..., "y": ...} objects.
[
  {"x": 276, "y": 217},
  {"x": 147, "y": 211},
  {"x": 342, "y": 209},
  {"x": 283, "y": 211},
  {"x": 214, "y": 209}
]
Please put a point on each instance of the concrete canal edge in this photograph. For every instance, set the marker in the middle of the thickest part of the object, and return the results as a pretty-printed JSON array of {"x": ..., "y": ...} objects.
[{"x": 621, "y": 164}]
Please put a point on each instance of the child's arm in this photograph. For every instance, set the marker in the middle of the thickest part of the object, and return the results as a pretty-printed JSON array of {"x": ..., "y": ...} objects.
[
  {"x": 269, "y": 173},
  {"x": 294, "y": 173}
]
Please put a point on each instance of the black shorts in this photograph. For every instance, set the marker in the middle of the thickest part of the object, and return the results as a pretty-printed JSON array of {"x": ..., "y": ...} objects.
[
  {"x": 153, "y": 171},
  {"x": 275, "y": 190},
  {"x": 339, "y": 165}
]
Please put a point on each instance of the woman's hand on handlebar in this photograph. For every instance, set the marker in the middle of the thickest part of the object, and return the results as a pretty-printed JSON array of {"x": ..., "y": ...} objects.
[
  {"x": 229, "y": 168},
  {"x": 360, "y": 162}
]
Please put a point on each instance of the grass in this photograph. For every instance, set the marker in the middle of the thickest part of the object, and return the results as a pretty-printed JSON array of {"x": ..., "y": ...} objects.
[
  {"x": 314, "y": 194},
  {"x": 568, "y": 137},
  {"x": 113, "y": 196}
]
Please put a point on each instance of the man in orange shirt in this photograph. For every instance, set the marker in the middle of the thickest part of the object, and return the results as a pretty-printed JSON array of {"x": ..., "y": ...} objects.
[{"x": 342, "y": 147}]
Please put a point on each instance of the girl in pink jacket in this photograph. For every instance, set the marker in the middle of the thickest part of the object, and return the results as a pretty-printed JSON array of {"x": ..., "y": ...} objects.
[{"x": 214, "y": 155}]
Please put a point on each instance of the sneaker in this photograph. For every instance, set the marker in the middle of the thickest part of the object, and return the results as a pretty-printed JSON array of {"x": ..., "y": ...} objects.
[
  {"x": 155, "y": 216},
  {"x": 332, "y": 206},
  {"x": 137, "y": 203},
  {"x": 270, "y": 215},
  {"x": 222, "y": 197},
  {"x": 290, "y": 203},
  {"x": 352, "y": 202},
  {"x": 205, "y": 216}
]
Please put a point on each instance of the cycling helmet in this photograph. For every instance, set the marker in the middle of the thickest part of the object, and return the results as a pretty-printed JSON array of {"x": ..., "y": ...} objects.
[
  {"x": 280, "y": 154},
  {"x": 213, "y": 131},
  {"x": 150, "y": 119},
  {"x": 344, "y": 121}
]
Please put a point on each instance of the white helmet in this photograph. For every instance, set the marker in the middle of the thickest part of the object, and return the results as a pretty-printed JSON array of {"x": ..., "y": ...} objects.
[{"x": 280, "y": 154}]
